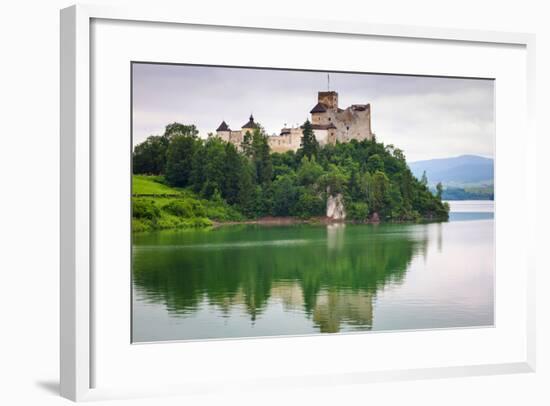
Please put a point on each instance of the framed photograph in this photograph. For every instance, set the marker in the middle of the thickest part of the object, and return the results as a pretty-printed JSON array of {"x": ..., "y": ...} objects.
[{"x": 240, "y": 197}]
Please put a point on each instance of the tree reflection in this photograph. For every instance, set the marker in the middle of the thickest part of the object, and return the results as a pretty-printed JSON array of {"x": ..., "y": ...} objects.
[{"x": 332, "y": 273}]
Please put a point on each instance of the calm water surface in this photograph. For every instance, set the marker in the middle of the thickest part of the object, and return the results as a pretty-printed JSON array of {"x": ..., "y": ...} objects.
[{"x": 245, "y": 281}]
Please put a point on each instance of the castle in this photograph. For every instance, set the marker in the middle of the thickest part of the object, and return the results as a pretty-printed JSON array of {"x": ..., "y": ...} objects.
[{"x": 329, "y": 122}]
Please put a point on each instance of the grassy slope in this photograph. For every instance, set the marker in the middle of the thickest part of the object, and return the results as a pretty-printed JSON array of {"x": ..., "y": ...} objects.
[
  {"x": 151, "y": 185},
  {"x": 156, "y": 206}
]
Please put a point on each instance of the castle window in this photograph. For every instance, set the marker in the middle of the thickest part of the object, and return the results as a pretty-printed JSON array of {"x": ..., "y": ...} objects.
[
  {"x": 329, "y": 119},
  {"x": 347, "y": 128}
]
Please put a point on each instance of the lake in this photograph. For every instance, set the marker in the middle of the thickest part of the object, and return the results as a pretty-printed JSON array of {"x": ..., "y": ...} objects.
[{"x": 255, "y": 280}]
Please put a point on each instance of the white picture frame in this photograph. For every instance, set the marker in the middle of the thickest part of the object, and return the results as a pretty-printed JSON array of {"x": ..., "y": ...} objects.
[{"x": 77, "y": 189}]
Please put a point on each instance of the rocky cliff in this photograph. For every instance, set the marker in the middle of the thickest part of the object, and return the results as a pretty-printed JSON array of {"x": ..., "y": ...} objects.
[{"x": 335, "y": 207}]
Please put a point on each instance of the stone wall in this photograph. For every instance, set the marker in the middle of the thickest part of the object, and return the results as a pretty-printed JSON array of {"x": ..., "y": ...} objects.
[
  {"x": 288, "y": 141},
  {"x": 353, "y": 123},
  {"x": 236, "y": 138}
]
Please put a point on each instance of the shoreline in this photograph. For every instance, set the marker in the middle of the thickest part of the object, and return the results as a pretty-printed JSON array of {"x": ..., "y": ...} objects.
[
  {"x": 281, "y": 221},
  {"x": 287, "y": 221}
]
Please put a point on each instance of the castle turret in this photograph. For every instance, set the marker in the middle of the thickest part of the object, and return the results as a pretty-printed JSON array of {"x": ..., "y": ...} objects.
[
  {"x": 251, "y": 125},
  {"x": 223, "y": 131},
  {"x": 223, "y": 127}
]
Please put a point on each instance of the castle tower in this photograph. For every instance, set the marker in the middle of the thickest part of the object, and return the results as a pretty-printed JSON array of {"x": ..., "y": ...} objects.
[
  {"x": 328, "y": 99},
  {"x": 332, "y": 124},
  {"x": 250, "y": 126},
  {"x": 324, "y": 111},
  {"x": 223, "y": 131}
]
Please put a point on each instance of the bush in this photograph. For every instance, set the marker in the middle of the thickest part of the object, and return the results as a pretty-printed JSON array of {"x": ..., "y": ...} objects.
[
  {"x": 221, "y": 213},
  {"x": 140, "y": 225},
  {"x": 187, "y": 208},
  {"x": 358, "y": 211},
  {"x": 198, "y": 222},
  {"x": 310, "y": 205},
  {"x": 145, "y": 209},
  {"x": 169, "y": 222}
]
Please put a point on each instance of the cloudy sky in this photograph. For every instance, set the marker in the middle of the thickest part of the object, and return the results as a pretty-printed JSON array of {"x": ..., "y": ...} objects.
[{"x": 424, "y": 116}]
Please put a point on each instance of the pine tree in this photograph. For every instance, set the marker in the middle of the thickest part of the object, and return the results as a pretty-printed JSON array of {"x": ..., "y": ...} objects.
[
  {"x": 261, "y": 157},
  {"x": 424, "y": 179},
  {"x": 246, "y": 144},
  {"x": 309, "y": 144},
  {"x": 232, "y": 174},
  {"x": 246, "y": 195}
]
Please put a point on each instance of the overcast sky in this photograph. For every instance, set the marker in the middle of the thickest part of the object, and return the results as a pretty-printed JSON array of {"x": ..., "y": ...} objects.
[{"x": 425, "y": 117}]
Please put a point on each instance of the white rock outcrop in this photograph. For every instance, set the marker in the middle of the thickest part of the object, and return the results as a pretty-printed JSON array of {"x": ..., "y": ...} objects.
[{"x": 335, "y": 207}]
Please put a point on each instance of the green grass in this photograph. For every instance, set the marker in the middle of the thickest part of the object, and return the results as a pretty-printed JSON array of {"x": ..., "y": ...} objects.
[
  {"x": 156, "y": 206},
  {"x": 151, "y": 185}
]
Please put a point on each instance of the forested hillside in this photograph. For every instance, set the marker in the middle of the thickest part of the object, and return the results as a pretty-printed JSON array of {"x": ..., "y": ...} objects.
[{"x": 373, "y": 179}]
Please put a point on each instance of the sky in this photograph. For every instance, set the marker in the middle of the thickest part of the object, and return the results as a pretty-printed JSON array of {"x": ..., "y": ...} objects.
[{"x": 426, "y": 117}]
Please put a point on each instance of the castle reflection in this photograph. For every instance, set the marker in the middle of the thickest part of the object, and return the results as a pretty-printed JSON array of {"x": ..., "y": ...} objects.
[{"x": 330, "y": 274}]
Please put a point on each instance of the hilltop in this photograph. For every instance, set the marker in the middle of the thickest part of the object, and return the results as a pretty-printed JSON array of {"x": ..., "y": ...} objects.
[{"x": 465, "y": 177}]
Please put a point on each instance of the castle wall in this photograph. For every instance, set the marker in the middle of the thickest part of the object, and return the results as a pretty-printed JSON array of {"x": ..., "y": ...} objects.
[
  {"x": 286, "y": 142},
  {"x": 321, "y": 136},
  {"x": 353, "y": 123},
  {"x": 223, "y": 135},
  {"x": 236, "y": 137},
  {"x": 324, "y": 118}
]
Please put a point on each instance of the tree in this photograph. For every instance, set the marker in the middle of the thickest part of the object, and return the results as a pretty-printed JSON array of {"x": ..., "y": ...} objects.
[
  {"x": 179, "y": 159},
  {"x": 424, "y": 179},
  {"x": 285, "y": 195},
  {"x": 246, "y": 195},
  {"x": 214, "y": 167},
  {"x": 180, "y": 129},
  {"x": 334, "y": 180},
  {"x": 309, "y": 172},
  {"x": 309, "y": 145},
  {"x": 232, "y": 171},
  {"x": 407, "y": 186},
  {"x": 197, "y": 176},
  {"x": 309, "y": 204},
  {"x": 399, "y": 155},
  {"x": 439, "y": 188},
  {"x": 375, "y": 163},
  {"x": 149, "y": 157},
  {"x": 379, "y": 196},
  {"x": 283, "y": 163},
  {"x": 358, "y": 211},
  {"x": 261, "y": 157},
  {"x": 246, "y": 144}
]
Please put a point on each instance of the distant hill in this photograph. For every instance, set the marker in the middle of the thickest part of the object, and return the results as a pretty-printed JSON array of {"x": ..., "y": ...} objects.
[
  {"x": 456, "y": 171},
  {"x": 463, "y": 177}
]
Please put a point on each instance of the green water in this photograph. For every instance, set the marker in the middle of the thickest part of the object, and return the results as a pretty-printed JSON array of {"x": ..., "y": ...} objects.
[{"x": 245, "y": 281}]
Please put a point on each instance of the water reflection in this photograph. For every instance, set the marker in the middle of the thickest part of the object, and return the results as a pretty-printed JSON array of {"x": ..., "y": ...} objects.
[{"x": 321, "y": 278}]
